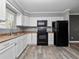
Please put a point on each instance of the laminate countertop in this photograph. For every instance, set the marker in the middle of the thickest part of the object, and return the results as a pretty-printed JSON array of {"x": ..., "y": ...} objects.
[{"x": 7, "y": 37}]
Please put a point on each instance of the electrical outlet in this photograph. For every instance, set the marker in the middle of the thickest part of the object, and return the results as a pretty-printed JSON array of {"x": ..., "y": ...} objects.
[{"x": 72, "y": 37}]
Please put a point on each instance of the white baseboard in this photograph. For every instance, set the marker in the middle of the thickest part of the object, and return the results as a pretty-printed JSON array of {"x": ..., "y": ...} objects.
[{"x": 73, "y": 41}]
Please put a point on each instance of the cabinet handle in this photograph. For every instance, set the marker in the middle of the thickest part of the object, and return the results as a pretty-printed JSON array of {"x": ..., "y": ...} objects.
[{"x": 7, "y": 47}]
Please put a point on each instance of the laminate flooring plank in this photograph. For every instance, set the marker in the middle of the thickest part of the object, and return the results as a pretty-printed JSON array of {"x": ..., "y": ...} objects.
[
  {"x": 51, "y": 52},
  {"x": 73, "y": 52}
]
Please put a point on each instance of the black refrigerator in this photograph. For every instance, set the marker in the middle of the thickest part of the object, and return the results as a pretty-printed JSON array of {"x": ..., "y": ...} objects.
[{"x": 60, "y": 29}]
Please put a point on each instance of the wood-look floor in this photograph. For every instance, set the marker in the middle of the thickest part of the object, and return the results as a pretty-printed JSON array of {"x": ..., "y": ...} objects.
[{"x": 51, "y": 52}]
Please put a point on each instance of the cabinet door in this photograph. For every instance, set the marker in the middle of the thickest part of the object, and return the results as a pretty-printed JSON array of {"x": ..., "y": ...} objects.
[
  {"x": 33, "y": 21},
  {"x": 49, "y": 21},
  {"x": 19, "y": 20},
  {"x": 26, "y": 21},
  {"x": 25, "y": 40},
  {"x": 50, "y": 39},
  {"x": 18, "y": 46},
  {"x": 2, "y": 10},
  {"x": 29, "y": 38},
  {"x": 21, "y": 44},
  {"x": 34, "y": 39},
  {"x": 8, "y": 51}
]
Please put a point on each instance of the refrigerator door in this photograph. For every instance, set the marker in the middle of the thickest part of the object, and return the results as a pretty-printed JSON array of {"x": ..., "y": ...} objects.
[{"x": 61, "y": 33}]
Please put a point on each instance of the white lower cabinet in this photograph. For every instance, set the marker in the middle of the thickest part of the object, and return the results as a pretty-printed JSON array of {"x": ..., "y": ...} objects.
[
  {"x": 34, "y": 39},
  {"x": 20, "y": 44},
  {"x": 18, "y": 47},
  {"x": 7, "y": 50},
  {"x": 13, "y": 48},
  {"x": 50, "y": 39},
  {"x": 25, "y": 40},
  {"x": 29, "y": 38},
  {"x": 8, "y": 54}
]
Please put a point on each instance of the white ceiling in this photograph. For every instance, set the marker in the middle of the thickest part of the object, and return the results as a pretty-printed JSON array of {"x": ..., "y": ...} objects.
[{"x": 48, "y": 5}]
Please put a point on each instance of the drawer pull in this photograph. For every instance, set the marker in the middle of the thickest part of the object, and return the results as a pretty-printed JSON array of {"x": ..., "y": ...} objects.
[{"x": 7, "y": 47}]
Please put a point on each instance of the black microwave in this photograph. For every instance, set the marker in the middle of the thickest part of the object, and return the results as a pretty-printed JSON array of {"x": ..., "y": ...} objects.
[{"x": 42, "y": 23}]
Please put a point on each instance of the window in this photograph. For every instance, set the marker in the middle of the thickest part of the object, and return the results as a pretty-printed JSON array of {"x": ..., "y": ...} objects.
[
  {"x": 10, "y": 19},
  {"x": 10, "y": 22}
]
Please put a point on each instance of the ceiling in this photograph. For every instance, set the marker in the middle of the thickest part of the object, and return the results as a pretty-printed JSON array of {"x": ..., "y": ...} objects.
[{"x": 36, "y": 6}]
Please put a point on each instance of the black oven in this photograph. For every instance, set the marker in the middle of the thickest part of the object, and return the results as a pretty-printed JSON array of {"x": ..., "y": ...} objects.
[
  {"x": 42, "y": 38},
  {"x": 42, "y": 29},
  {"x": 42, "y": 35}
]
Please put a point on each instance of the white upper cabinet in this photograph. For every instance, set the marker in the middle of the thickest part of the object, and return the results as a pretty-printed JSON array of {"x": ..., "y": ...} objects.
[
  {"x": 19, "y": 20},
  {"x": 22, "y": 20},
  {"x": 2, "y": 10},
  {"x": 33, "y": 21},
  {"x": 26, "y": 20}
]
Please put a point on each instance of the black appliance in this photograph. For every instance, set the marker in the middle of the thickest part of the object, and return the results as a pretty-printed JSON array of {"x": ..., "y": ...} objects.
[
  {"x": 60, "y": 33},
  {"x": 53, "y": 26},
  {"x": 42, "y": 35}
]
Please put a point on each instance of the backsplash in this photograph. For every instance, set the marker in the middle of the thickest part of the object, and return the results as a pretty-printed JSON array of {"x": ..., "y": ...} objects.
[
  {"x": 3, "y": 31},
  {"x": 31, "y": 29}
]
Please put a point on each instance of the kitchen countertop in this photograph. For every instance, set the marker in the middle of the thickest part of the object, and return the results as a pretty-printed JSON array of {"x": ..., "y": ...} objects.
[
  {"x": 7, "y": 37},
  {"x": 36, "y": 32}
]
